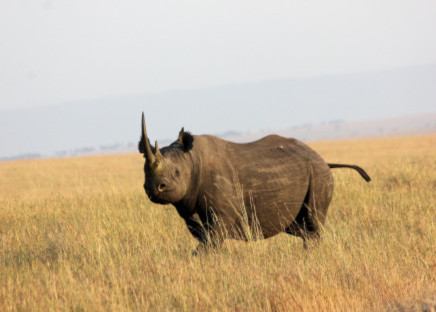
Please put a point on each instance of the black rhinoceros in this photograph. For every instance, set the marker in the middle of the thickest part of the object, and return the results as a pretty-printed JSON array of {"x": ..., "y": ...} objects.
[{"x": 220, "y": 188}]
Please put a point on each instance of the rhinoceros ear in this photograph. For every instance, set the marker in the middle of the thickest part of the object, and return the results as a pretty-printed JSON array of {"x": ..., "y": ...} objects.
[{"x": 186, "y": 140}]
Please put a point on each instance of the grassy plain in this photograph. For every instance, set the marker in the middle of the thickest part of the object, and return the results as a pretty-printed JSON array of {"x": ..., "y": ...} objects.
[{"x": 79, "y": 234}]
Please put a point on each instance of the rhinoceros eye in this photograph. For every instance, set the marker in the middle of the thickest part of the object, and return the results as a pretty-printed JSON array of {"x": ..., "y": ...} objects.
[{"x": 177, "y": 172}]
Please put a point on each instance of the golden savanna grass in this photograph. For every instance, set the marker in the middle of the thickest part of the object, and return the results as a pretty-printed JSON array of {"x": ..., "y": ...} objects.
[{"x": 79, "y": 234}]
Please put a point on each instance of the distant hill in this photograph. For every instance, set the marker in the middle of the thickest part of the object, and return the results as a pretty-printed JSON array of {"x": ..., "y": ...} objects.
[
  {"x": 335, "y": 104},
  {"x": 333, "y": 130},
  {"x": 337, "y": 130}
]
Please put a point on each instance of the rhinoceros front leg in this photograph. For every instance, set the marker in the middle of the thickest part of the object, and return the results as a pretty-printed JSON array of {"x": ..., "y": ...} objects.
[
  {"x": 202, "y": 248},
  {"x": 204, "y": 233}
]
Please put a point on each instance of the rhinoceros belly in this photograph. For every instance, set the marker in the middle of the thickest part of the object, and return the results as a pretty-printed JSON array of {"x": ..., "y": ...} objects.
[{"x": 274, "y": 193}]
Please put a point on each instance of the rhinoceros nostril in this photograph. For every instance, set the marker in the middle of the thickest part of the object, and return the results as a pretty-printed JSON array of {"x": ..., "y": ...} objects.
[{"x": 161, "y": 187}]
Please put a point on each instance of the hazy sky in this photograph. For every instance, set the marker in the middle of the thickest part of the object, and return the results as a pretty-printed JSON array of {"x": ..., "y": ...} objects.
[{"x": 57, "y": 51}]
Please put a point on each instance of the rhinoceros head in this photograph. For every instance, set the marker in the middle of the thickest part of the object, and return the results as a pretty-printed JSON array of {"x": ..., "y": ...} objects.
[{"x": 167, "y": 170}]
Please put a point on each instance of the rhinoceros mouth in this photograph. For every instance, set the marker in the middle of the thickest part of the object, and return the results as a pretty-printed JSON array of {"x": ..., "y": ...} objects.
[{"x": 158, "y": 200}]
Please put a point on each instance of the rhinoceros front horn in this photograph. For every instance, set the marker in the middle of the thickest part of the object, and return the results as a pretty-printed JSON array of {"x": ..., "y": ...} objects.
[{"x": 149, "y": 156}]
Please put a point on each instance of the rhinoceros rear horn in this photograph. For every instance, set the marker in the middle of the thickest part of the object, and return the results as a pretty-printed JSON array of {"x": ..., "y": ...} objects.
[
  {"x": 157, "y": 153},
  {"x": 144, "y": 144}
]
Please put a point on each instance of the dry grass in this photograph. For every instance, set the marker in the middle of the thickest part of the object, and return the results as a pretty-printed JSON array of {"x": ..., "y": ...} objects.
[{"x": 79, "y": 234}]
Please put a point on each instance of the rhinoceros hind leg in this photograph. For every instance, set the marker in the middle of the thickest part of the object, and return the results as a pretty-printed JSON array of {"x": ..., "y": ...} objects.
[
  {"x": 300, "y": 230},
  {"x": 310, "y": 217}
]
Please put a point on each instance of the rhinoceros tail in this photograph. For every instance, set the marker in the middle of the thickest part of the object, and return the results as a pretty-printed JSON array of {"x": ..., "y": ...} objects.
[{"x": 357, "y": 168}]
